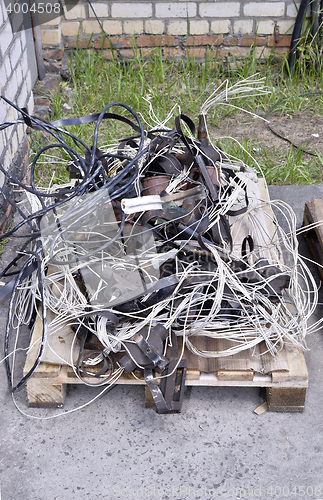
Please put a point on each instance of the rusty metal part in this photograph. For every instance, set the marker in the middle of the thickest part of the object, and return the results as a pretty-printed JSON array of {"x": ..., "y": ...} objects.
[
  {"x": 155, "y": 184},
  {"x": 168, "y": 396},
  {"x": 145, "y": 350}
]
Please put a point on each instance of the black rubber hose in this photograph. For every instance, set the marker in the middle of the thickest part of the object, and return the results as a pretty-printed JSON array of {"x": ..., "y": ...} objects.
[
  {"x": 297, "y": 31},
  {"x": 315, "y": 16}
]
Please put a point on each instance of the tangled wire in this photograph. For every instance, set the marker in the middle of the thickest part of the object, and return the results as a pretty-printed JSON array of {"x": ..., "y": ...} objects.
[{"x": 161, "y": 230}]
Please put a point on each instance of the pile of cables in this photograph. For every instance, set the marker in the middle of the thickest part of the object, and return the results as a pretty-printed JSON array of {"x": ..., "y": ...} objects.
[{"x": 159, "y": 239}]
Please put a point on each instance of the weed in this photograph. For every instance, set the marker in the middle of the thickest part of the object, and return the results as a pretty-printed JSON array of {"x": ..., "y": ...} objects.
[{"x": 154, "y": 81}]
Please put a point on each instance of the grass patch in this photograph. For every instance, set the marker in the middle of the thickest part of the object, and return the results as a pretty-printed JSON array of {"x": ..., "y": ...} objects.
[{"x": 159, "y": 84}]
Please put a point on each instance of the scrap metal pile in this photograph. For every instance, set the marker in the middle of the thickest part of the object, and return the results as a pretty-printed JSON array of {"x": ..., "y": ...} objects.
[{"x": 158, "y": 237}]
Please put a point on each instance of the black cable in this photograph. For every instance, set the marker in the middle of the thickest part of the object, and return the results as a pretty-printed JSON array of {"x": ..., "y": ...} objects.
[
  {"x": 307, "y": 94},
  {"x": 119, "y": 55},
  {"x": 24, "y": 379}
]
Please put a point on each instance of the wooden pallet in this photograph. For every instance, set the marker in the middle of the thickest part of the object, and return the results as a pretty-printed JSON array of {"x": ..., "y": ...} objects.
[
  {"x": 284, "y": 376},
  {"x": 313, "y": 214}
]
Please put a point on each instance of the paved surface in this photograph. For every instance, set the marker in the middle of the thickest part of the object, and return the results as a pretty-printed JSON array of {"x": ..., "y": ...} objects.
[{"x": 216, "y": 448}]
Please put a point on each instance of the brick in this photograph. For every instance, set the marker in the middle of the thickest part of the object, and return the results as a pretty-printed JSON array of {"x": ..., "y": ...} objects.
[
  {"x": 155, "y": 27},
  {"x": 282, "y": 51},
  {"x": 156, "y": 41},
  {"x": 292, "y": 9},
  {"x": 77, "y": 12},
  {"x": 5, "y": 37},
  {"x": 7, "y": 66},
  {"x": 177, "y": 28},
  {"x": 52, "y": 66},
  {"x": 217, "y": 54},
  {"x": 121, "y": 41},
  {"x": 15, "y": 52},
  {"x": 41, "y": 101},
  {"x": 199, "y": 27},
  {"x": 175, "y": 10},
  {"x": 126, "y": 10},
  {"x": 196, "y": 53},
  {"x": 56, "y": 54},
  {"x": 52, "y": 38},
  {"x": 90, "y": 27},
  {"x": 107, "y": 55},
  {"x": 221, "y": 26},
  {"x": 3, "y": 78},
  {"x": 112, "y": 27},
  {"x": 30, "y": 104},
  {"x": 239, "y": 51},
  {"x": 101, "y": 10},
  {"x": 285, "y": 27},
  {"x": 23, "y": 39},
  {"x": 3, "y": 112},
  {"x": 7, "y": 160},
  {"x": 262, "y": 52},
  {"x": 133, "y": 27},
  {"x": 21, "y": 131},
  {"x": 284, "y": 41},
  {"x": 150, "y": 52},
  {"x": 220, "y": 9},
  {"x": 248, "y": 41},
  {"x": 70, "y": 28},
  {"x": 11, "y": 87},
  {"x": 18, "y": 71},
  {"x": 243, "y": 27},
  {"x": 128, "y": 53},
  {"x": 14, "y": 144},
  {"x": 43, "y": 20},
  {"x": 173, "y": 52},
  {"x": 98, "y": 43},
  {"x": 28, "y": 81},
  {"x": 264, "y": 9},
  {"x": 83, "y": 43},
  {"x": 204, "y": 40},
  {"x": 265, "y": 27}
]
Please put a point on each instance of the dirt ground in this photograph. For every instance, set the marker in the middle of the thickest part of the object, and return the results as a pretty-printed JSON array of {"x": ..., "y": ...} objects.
[{"x": 302, "y": 129}]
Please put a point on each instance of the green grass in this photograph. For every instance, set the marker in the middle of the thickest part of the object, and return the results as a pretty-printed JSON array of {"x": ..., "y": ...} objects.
[{"x": 96, "y": 82}]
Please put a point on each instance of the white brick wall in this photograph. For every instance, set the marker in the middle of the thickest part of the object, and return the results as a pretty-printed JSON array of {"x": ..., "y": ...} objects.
[
  {"x": 177, "y": 28},
  {"x": 15, "y": 52},
  {"x": 171, "y": 9},
  {"x": 264, "y": 9},
  {"x": 15, "y": 84},
  {"x": 112, "y": 27},
  {"x": 6, "y": 37},
  {"x": 133, "y": 27},
  {"x": 169, "y": 17},
  {"x": 101, "y": 9},
  {"x": 243, "y": 26},
  {"x": 154, "y": 27},
  {"x": 221, "y": 26},
  {"x": 77, "y": 12},
  {"x": 265, "y": 27},
  {"x": 131, "y": 10},
  {"x": 199, "y": 27},
  {"x": 220, "y": 9}
]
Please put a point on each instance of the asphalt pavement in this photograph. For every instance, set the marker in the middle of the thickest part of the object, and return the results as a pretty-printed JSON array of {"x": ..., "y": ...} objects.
[{"x": 217, "y": 447}]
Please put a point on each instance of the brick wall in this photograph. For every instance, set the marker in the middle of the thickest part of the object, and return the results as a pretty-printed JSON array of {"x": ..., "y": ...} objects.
[
  {"x": 17, "y": 78},
  {"x": 180, "y": 25}
]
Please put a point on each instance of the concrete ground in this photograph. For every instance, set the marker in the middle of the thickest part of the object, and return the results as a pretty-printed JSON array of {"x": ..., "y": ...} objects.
[{"x": 216, "y": 448}]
